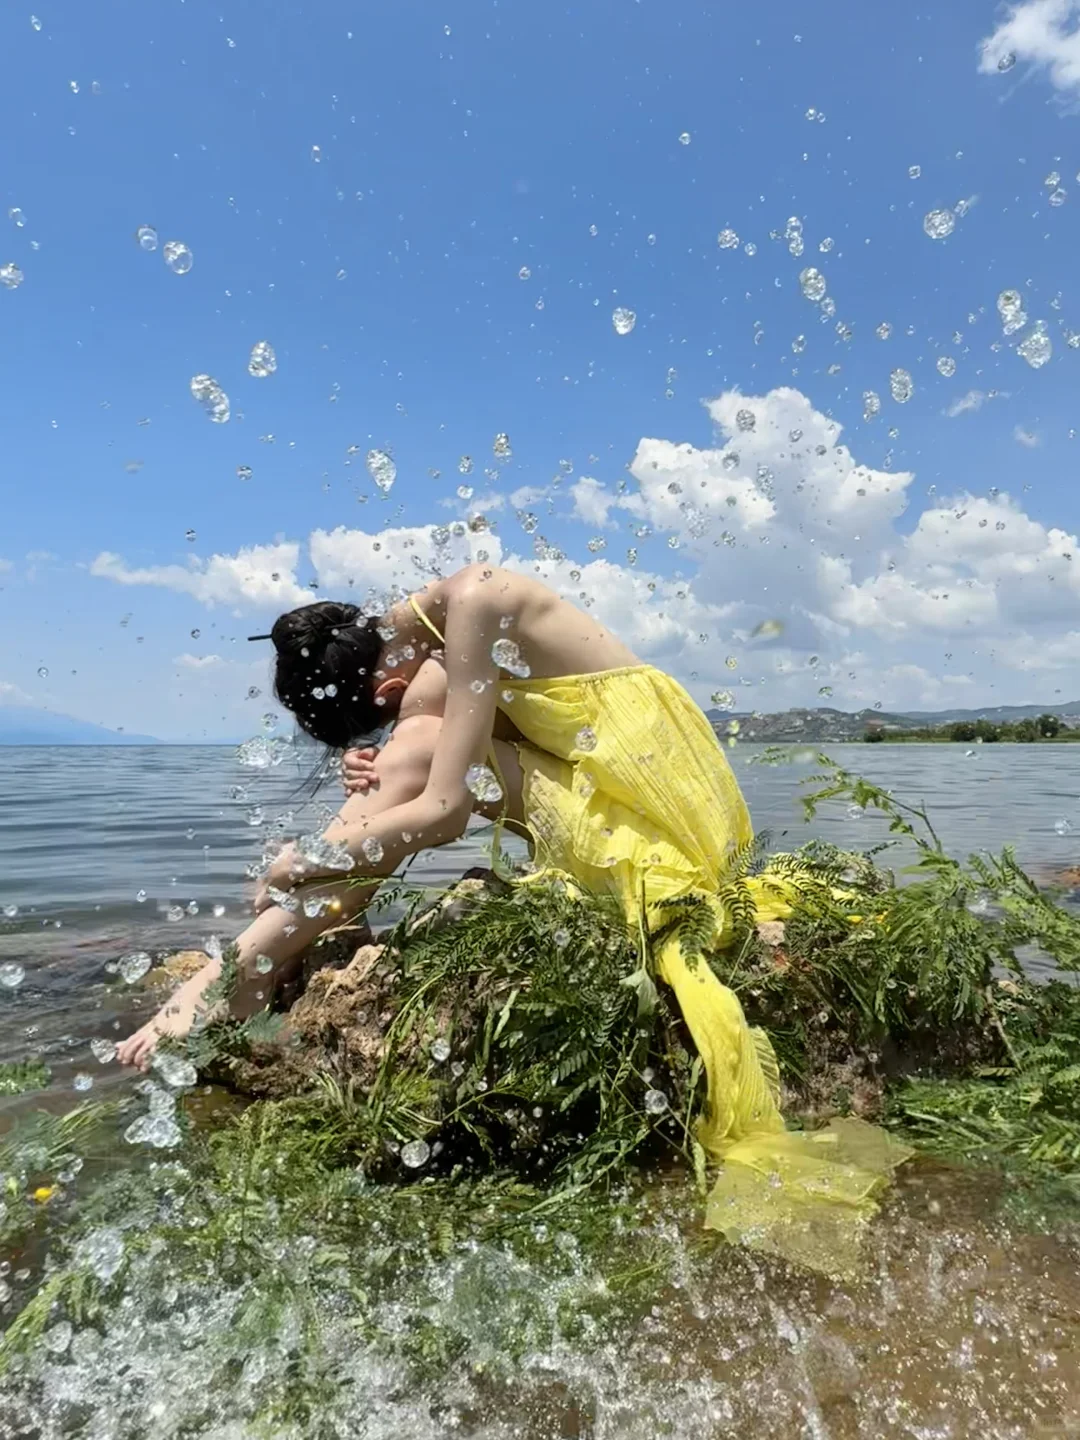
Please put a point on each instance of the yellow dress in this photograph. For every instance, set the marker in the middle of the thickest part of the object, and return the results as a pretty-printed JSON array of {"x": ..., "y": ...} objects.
[{"x": 628, "y": 792}]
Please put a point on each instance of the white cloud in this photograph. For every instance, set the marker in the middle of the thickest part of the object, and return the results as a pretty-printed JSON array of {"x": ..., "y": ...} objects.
[
  {"x": 198, "y": 662},
  {"x": 258, "y": 575},
  {"x": 1028, "y": 438},
  {"x": 1044, "y": 33},
  {"x": 13, "y": 694},
  {"x": 6, "y": 565},
  {"x": 779, "y": 521},
  {"x": 974, "y": 400}
]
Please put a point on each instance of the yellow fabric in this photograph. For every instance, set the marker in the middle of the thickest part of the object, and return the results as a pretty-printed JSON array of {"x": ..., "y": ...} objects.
[{"x": 628, "y": 791}]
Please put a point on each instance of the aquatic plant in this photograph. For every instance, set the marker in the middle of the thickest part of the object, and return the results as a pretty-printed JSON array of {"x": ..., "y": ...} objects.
[{"x": 510, "y": 1046}]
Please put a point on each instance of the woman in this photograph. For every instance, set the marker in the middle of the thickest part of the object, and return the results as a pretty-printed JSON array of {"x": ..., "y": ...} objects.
[{"x": 531, "y": 711}]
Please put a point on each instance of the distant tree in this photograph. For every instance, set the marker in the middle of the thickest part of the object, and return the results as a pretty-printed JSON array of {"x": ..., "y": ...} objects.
[
  {"x": 987, "y": 731},
  {"x": 1049, "y": 726},
  {"x": 962, "y": 730},
  {"x": 1026, "y": 731},
  {"x": 874, "y": 734}
]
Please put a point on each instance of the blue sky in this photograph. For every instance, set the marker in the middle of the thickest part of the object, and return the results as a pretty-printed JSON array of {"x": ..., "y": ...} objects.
[{"x": 447, "y": 162}]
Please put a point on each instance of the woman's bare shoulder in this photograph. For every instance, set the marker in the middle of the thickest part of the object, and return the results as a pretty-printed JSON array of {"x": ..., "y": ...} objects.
[{"x": 426, "y": 694}]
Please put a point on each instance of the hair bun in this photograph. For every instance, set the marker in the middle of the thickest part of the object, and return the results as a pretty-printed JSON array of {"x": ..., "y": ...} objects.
[{"x": 312, "y": 627}]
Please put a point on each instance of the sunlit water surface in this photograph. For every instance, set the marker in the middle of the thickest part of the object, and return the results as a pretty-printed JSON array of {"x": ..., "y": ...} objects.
[{"x": 963, "y": 1324}]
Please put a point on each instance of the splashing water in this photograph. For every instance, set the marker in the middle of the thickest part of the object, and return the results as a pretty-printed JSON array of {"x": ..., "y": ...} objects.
[
  {"x": 481, "y": 782},
  {"x": 381, "y": 468},
  {"x": 177, "y": 257},
  {"x": 901, "y": 386},
  {"x": 939, "y": 223},
  {"x": 206, "y": 390},
  {"x": 623, "y": 320},
  {"x": 263, "y": 361},
  {"x": 507, "y": 655}
]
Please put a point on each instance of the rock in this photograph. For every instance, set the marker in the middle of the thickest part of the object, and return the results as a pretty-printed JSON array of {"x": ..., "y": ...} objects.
[
  {"x": 177, "y": 968},
  {"x": 338, "y": 1024}
]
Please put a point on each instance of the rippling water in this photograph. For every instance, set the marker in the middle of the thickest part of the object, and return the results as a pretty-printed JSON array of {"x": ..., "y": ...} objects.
[
  {"x": 86, "y": 831},
  {"x": 961, "y": 1326}
]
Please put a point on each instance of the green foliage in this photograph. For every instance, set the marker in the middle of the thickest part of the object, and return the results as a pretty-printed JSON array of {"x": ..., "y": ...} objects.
[{"x": 19, "y": 1076}]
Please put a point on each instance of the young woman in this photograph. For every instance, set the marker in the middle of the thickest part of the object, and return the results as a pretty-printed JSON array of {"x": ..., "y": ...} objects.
[{"x": 509, "y": 701}]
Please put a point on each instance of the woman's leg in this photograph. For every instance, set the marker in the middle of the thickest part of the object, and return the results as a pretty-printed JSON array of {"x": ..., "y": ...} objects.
[
  {"x": 277, "y": 936},
  {"x": 280, "y": 936}
]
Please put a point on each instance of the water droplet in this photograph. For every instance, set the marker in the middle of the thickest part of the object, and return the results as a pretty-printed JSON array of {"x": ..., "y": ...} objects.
[
  {"x": 43, "y": 672},
  {"x": 585, "y": 740},
  {"x": 507, "y": 655},
  {"x": 813, "y": 283},
  {"x": 103, "y": 1051},
  {"x": 11, "y": 277},
  {"x": 372, "y": 849},
  {"x": 482, "y": 782},
  {"x": 914, "y": 171},
  {"x": 524, "y": 273},
  {"x": 560, "y": 938},
  {"x": 1036, "y": 347},
  {"x": 1007, "y": 61},
  {"x": 939, "y": 223},
  {"x": 798, "y": 345},
  {"x": 440, "y": 1050},
  {"x": 81, "y": 1081},
  {"x": 745, "y": 420},
  {"x": 141, "y": 897},
  {"x": 946, "y": 366},
  {"x": 263, "y": 361},
  {"x": 624, "y": 320},
  {"x": 244, "y": 472},
  {"x": 10, "y": 911},
  {"x": 316, "y": 154},
  {"x": 35, "y": 23},
  {"x": 146, "y": 237},
  {"x": 206, "y": 390},
  {"x": 57, "y": 1339},
  {"x": 723, "y": 699},
  {"x": 134, "y": 966},
  {"x": 382, "y": 469},
  {"x": 871, "y": 404},
  {"x": 415, "y": 1154},
  {"x": 16, "y": 216},
  {"x": 12, "y": 975},
  {"x": 1062, "y": 827},
  {"x": 684, "y": 138},
  {"x": 656, "y": 1102},
  {"x": 465, "y": 492},
  {"x": 727, "y": 239},
  {"x": 825, "y": 690},
  {"x": 500, "y": 446},
  {"x": 901, "y": 386},
  {"x": 177, "y": 257}
]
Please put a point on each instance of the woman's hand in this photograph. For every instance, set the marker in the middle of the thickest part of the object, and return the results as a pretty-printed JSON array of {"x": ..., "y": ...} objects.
[
  {"x": 282, "y": 875},
  {"x": 358, "y": 773}
]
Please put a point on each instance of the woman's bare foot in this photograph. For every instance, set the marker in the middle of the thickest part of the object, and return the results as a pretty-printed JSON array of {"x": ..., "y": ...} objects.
[{"x": 175, "y": 1018}]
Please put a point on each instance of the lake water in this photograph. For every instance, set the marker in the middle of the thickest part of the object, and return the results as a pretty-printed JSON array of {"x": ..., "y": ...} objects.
[
  {"x": 961, "y": 1326},
  {"x": 100, "y": 847}
]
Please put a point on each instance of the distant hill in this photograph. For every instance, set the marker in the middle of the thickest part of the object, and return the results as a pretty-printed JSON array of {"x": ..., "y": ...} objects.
[
  {"x": 840, "y": 725},
  {"x": 23, "y": 725}
]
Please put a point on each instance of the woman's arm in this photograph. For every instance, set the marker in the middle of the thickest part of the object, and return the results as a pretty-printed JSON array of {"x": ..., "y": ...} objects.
[{"x": 379, "y": 839}]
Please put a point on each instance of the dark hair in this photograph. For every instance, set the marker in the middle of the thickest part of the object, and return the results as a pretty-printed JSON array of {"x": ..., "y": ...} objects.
[{"x": 326, "y": 656}]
